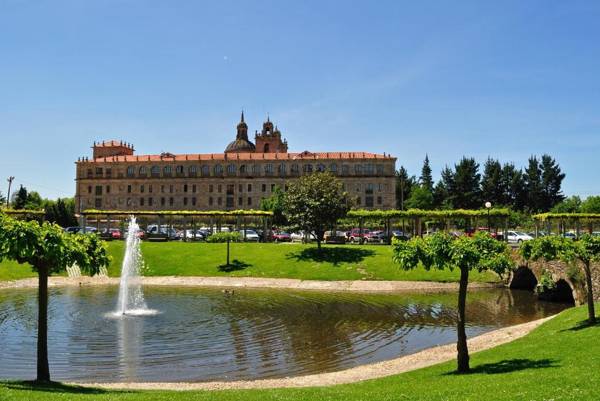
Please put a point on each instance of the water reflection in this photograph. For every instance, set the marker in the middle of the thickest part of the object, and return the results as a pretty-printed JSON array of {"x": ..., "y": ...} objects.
[{"x": 206, "y": 335}]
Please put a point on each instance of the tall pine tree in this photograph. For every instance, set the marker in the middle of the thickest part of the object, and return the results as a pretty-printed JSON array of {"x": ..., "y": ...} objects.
[
  {"x": 533, "y": 185},
  {"x": 466, "y": 192},
  {"x": 404, "y": 184},
  {"x": 426, "y": 179},
  {"x": 551, "y": 181},
  {"x": 491, "y": 183}
]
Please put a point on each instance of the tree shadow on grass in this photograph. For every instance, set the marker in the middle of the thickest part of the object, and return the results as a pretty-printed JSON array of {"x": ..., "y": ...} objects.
[
  {"x": 582, "y": 325},
  {"x": 510, "y": 365},
  {"x": 56, "y": 387},
  {"x": 333, "y": 255},
  {"x": 235, "y": 265}
]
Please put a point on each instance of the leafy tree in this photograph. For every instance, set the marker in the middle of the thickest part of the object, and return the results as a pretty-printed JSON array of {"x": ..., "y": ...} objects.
[
  {"x": 465, "y": 193},
  {"x": 551, "y": 179},
  {"x": 20, "y": 198},
  {"x": 274, "y": 203},
  {"x": 586, "y": 250},
  {"x": 441, "y": 192},
  {"x": 48, "y": 250},
  {"x": 533, "y": 185},
  {"x": 591, "y": 205},
  {"x": 34, "y": 201},
  {"x": 492, "y": 188},
  {"x": 404, "y": 185},
  {"x": 420, "y": 198},
  {"x": 426, "y": 180},
  {"x": 315, "y": 202},
  {"x": 513, "y": 187},
  {"x": 441, "y": 251},
  {"x": 569, "y": 205}
]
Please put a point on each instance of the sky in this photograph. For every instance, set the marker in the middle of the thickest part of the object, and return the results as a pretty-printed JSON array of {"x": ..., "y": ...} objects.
[{"x": 505, "y": 79}]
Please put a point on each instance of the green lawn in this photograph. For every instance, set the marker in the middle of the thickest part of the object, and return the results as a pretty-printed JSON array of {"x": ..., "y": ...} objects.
[
  {"x": 557, "y": 361},
  {"x": 345, "y": 262}
]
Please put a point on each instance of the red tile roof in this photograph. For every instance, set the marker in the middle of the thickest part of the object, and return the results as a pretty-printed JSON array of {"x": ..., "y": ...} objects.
[{"x": 246, "y": 156}]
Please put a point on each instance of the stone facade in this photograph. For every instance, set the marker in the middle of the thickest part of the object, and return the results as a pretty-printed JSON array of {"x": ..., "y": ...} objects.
[{"x": 117, "y": 179}]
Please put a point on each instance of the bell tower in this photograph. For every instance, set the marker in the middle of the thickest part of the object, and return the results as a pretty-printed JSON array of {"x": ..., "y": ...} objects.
[{"x": 269, "y": 140}]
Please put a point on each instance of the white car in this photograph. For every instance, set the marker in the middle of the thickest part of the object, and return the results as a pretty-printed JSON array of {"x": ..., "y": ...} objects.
[
  {"x": 302, "y": 237},
  {"x": 251, "y": 235},
  {"x": 518, "y": 237}
]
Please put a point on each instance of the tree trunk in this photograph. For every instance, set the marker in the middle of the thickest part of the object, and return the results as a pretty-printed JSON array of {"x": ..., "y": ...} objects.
[
  {"x": 227, "y": 252},
  {"x": 43, "y": 370},
  {"x": 461, "y": 345},
  {"x": 590, "y": 293}
]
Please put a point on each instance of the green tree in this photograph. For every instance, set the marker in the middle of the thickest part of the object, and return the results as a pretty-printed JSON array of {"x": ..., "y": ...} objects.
[
  {"x": 533, "y": 185},
  {"x": 315, "y": 202},
  {"x": 465, "y": 193},
  {"x": 34, "y": 201},
  {"x": 48, "y": 250},
  {"x": 569, "y": 205},
  {"x": 426, "y": 179},
  {"x": 404, "y": 184},
  {"x": 513, "y": 187},
  {"x": 225, "y": 237},
  {"x": 441, "y": 251},
  {"x": 586, "y": 250},
  {"x": 492, "y": 189},
  {"x": 274, "y": 203},
  {"x": 20, "y": 198},
  {"x": 591, "y": 204},
  {"x": 552, "y": 178},
  {"x": 420, "y": 198},
  {"x": 2, "y": 200},
  {"x": 441, "y": 192}
]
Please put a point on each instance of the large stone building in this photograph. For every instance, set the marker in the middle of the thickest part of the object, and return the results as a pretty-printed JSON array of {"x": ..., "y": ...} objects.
[{"x": 117, "y": 179}]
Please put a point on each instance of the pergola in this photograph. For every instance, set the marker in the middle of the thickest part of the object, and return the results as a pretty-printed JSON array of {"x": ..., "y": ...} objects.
[
  {"x": 417, "y": 216},
  {"x": 190, "y": 217},
  {"x": 25, "y": 213},
  {"x": 576, "y": 220}
]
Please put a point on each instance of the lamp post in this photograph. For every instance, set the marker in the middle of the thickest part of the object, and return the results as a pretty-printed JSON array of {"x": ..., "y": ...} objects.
[
  {"x": 488, "y": 206},
  {"x": 10, "y": 180}
]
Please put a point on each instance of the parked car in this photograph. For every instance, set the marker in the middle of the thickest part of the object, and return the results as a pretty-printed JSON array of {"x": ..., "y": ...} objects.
[
  {"x": 402, "y": 236},
  {"x": 570, "y": 235},
  {"x": 518, "y": 237},
  {"x": 378, "y": 237},
  {"x": 141, "y": 234},
  {"x": 191, "y": 235},
  {"x": 75, "y": 230},
  {"x": 249, "y": 235},
  {"x": 302, "y": 237},
  {"x": 356, "y": 236},
  {"x": 111, "y": 233},
  {"x": 164, "y": 233},
  {"x": 334, "y": 237},
  {"x": 281, "y": 236}
]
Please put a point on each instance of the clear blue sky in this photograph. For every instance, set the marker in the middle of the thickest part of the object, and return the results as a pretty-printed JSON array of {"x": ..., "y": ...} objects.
[{"x": 502, "y": 79}]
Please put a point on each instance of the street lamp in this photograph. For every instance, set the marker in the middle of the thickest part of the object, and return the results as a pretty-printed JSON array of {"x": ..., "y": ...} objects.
[{"x": 488, "y": 206}]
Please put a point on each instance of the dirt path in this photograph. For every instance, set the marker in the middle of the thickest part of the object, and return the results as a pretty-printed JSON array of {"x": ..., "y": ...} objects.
[
  {"x": 402, "y": 364},
  {"x": 252, "y": 282}
]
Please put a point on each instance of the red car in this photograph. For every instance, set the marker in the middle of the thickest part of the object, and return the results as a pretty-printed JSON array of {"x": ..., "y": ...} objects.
[
  {"x": 282, "y": 237},
  {"x": 355, "y": 235},
  {"x": 111, "y": 233}
]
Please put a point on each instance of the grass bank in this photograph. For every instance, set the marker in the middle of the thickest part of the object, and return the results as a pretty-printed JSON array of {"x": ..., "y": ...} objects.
[
  {"x": 345, "y": 262},
  {"x": 557, "y": 361}
]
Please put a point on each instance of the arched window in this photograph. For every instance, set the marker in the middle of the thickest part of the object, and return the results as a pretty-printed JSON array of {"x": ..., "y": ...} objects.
[
  {"x": 266, "y": 148},
  {"x": 243, "y": 169},
  {"x": 333, "y": 168},
  {"x": 370, "y": 169},
  {"x": 295, "y": 169},
  {"x": 231, "y": 169},
  {"x": 155, "y": 171},
  {"x": 167, "y": 171},
  {"x": 358, "y": 169},
  {"x": 192, "y": 171},
  {"x": 130, "y": 171},
  {"x": 142, "y": 171},
  {"x": 307, "y": 168},
  {"x": 205, "y": 170},
  {"x": 255, "y": 170},
  {"x": 179, "y": 170},
  {"x": 218, "y": 169},
  {"x": 320, "y": 167},
  {"x": 345, "y": 169},
  {"x": 268, "y": 168}
]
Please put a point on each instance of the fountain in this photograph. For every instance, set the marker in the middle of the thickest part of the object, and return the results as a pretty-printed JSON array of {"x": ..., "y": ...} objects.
[{"x": 131, "y": 297}]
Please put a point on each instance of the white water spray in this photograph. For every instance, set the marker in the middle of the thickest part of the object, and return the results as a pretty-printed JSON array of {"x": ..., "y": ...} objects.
[{"x": 131, "y": 297}]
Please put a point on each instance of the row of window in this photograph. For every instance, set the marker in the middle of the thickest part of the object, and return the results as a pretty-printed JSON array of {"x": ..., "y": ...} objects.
[
  {"x": 232, "y": 169},
  {"x": 213, "y": 201}
]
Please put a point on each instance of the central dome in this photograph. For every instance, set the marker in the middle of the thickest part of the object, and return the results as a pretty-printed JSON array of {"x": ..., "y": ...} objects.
[{"x": 240, "y": 145}]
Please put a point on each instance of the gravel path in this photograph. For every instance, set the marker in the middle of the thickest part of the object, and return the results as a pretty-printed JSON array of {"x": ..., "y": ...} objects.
[{"x": 252, "y": 282}]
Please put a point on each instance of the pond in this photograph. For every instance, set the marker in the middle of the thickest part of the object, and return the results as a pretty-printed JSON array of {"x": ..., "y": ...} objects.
[{"x": 206, "y": 334}]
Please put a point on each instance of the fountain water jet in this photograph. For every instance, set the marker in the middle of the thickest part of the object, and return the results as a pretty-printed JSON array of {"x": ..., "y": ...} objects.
[{"x": 131, "y": 297}]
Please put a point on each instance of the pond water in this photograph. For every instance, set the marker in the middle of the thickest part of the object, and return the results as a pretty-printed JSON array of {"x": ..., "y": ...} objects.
[{"x": 205, "y": 334}]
